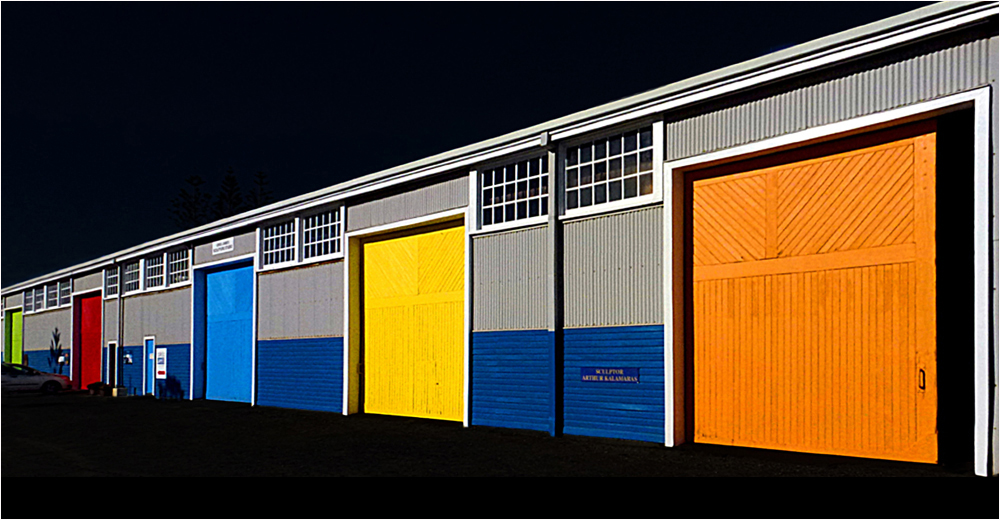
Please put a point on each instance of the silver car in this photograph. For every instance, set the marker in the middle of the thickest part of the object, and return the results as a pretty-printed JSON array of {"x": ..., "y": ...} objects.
[{"x": 19, "y": 378}]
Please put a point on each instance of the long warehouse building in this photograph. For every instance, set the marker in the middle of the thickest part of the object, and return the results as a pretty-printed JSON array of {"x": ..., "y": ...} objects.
[{"x": 752, "y": 257}]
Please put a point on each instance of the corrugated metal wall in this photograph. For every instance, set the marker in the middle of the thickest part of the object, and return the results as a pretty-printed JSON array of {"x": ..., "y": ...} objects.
[
  {"x": 166, "y": 315},
  {"x": 512, "y": 379},
  {"x": 177, "y": 385},
  {"x": 618, "y": 410},
  {"x": 614, "y": 269},
  {"x": 244, "y": 244},
  {"x": 110, "y": 321},
  {"x": 510, "y": 277},
  {"x": 435, "y": 198},
  {"x": 131, "y": 374},
  {"x": 924, "y": 72},
  {"x": 306, "y": 302},
  {"x": 13, "y": 300},
  {"x": 38, "y": 329},
  {"x": 304, "y": 374},
  {"x": 88, "y": 282}
]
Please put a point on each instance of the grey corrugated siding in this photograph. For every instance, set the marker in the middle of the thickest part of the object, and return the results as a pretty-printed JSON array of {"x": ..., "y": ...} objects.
[
  {"x": 88, "y": 282},
  {"x": 38, "y": 329},
  {"x": 166, "y": 315},
  {"x": 245, "y": 244},
  {"x": 510, "y": 276},
  {"x": 302, "y": 303},
  {"x": 887, "y": 86},
  {"x": 13, "y": 300},
  {"x": 443, "y": 196},
  {"x": 110, "y": 319},
  {"x": 614, "y": 269}
]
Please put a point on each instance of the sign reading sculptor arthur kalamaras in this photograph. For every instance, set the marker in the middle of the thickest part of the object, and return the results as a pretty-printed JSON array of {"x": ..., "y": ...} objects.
[{"x": 610, "y": 375}]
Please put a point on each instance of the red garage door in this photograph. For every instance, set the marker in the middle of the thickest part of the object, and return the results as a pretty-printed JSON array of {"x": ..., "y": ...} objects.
[{"x": 87, "y": 342}]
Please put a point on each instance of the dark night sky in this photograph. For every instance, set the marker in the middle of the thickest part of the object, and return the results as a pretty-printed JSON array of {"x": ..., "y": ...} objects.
[{"x": 108, "y": 107}]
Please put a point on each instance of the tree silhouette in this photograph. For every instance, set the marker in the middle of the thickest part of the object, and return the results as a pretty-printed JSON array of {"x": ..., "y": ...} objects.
[
  {"x": 260, "y": 195},
  {"x": 190, "y": 208},
  {"x": 229, "y": 201},
  {"x": 193, "y": 208}
]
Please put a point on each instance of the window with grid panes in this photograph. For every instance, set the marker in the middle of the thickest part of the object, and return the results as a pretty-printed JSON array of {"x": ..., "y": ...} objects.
[
  {"x": 178, "y": 266},
  {"x": 154, "y": 272},
  {"x": 321, "y": 234},
  {"x": 65, "y": 293},
  {"x": 131, "y": 277},
  {"x": 51, "y": 296},
  {"x": 29, "y": 300},
  {"x": 610, "y": 169},
  {"x": 515, "y": 192},
  {"x": 111, "y": 281},
  {"x": 40, "y": 298},
  {"x": 278, "y": 244}
]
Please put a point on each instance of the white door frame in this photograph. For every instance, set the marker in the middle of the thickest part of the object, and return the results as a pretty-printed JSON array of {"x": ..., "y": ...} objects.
[
  {"x": 352, "y": 241},
  {"x": 673, "y": 278}
]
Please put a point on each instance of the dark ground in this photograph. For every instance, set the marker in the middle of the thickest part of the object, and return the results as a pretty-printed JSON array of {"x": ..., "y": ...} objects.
[
  {"x": 82, "y": 435},
  {"x": 86, "y": 436}
]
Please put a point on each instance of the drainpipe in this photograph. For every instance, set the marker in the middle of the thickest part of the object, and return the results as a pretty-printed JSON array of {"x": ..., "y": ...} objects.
[{"x": 121, "y": 327}]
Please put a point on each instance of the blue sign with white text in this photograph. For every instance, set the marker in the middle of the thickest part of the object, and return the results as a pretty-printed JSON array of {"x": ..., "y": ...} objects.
[{"x": 610, "y": 375}]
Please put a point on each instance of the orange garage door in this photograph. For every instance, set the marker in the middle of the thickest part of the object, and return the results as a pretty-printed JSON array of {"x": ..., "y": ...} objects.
[{"x": 814, "y": 304}]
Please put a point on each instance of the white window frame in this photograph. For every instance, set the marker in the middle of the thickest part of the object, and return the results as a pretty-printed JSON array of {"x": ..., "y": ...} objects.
[
  {"x": 28, "y": 301},
  {"x": 170, "y": 272},
  {"x": 476, "y": 179},
  {"x": 52, "y": 295},
  {"x": 295, "y": 248},
  {"x": 68, "y": 285},
  {"x": 123, "y": 290},
  {"x": 40, "y": 290},
  {"x": 118, "y": 285},
  {"x": 144, "y": 275},
  {"x": 147, "y": 265},
  {"x": 610, "y": 207},
  {"x": 301, "y": 233}
]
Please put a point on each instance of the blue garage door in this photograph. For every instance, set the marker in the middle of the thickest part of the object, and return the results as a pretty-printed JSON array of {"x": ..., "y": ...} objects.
[{"x": 229, "y": 335}]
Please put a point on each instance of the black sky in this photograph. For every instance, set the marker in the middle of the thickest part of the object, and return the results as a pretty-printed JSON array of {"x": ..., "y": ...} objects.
[{"x": 108, "y": 107}]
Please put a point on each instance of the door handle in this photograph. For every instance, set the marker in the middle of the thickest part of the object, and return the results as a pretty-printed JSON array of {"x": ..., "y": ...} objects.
[{"x": 922, "y": 381}]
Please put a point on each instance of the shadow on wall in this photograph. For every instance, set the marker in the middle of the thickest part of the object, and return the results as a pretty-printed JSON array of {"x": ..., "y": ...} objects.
[
  {"x": 170, "y": 389},
  {"x": 53, "y": 362},
  {"x": 56, "y": 359}
]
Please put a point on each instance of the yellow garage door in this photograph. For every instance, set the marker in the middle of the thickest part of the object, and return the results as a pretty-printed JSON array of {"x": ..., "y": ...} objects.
[
  {"x": 414, "y": 325},
  {"x": 814, "y": 304}
]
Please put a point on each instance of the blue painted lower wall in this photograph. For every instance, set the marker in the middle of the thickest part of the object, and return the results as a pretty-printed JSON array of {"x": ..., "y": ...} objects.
[
  {"x": 131, "y": 375},
  {"x": 615, "y": 410},
  {"x": 304, "y": 374},
  {"x": 512, "y": 379},
  {"x": 47, "y": 361},
  {"x": 178, "y": 381}
]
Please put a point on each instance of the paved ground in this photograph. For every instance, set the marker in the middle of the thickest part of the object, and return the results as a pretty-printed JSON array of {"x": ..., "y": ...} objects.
[{"x": 82, "y": 435}]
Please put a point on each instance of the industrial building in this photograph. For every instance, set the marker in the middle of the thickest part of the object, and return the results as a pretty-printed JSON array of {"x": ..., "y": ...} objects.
[{"x": 753, "y": 257}]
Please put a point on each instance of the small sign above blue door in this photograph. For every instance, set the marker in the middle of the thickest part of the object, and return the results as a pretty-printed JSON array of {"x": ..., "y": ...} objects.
[{"x": 610, "y": 375}]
